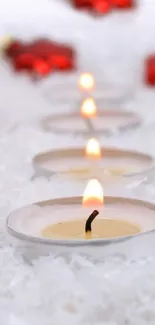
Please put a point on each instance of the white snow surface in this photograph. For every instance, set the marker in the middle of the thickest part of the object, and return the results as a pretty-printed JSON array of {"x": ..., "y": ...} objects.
[{"x": 76, "y": 290}]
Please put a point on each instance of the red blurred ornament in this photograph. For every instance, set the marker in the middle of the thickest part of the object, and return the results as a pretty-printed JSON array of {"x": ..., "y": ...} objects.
[
  {"x": 150, "y": 70},
  {"x": 80, "y": 4},
  {"x": 42, "y": 67},
  {"x": 124, "y": 4},
  {"x": 24, "y": 61},
  {"x": 62, "y": 62},
  {"x": 43, "y": 48},
  {"x": 65, "y": 50},
  {"x": 102, "y": 6},
  {"x": 41, "y": 56},
  {"x": 14, "y": 48},
  {"x": 40, "y": 42}
]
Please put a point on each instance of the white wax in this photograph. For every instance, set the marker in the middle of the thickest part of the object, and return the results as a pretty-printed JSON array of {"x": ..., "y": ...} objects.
[{"x": 32, "y": 220}]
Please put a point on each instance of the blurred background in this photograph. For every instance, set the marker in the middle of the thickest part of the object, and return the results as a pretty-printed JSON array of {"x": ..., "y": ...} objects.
[{"x": 112, "y": 45}]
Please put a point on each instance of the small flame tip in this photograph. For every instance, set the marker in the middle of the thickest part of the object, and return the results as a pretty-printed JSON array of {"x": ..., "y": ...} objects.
[{"x": 93, "y": 194}]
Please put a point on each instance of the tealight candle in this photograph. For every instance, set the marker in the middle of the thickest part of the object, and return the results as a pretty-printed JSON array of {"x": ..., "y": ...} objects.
[
  {"x": 106, "y": 164},
  {"x": 105, "y": 122},
  {"x": 119, "y": 226},
  {"x": 89, "y": 228}
]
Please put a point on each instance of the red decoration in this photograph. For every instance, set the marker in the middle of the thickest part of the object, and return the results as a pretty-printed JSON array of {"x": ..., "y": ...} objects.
[
  {"x": 102, "y": 6},
  {"x": 13, "y": 48},
  {"x": 24, "y": 61},
  {"x": 80, "y": 4},
  {"x": 62, "y": 62},
  {"x": 124, "y": 4},
  {"x": 150, "y": 70},
  {"x": 42, "y": 67},
  {"x": 41, "y": 56}
]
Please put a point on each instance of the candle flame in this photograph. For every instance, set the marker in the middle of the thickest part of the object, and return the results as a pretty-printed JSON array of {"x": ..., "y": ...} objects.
[
  {"x": 93, "y": 194},
  {"x": 86, "y": 81},
  {"x": 88, "y": 108},
  {"x": 93, "y": 149}
]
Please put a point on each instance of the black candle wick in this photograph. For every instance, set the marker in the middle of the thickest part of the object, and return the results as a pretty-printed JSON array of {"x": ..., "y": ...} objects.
[{"x": 90, "y": 220}]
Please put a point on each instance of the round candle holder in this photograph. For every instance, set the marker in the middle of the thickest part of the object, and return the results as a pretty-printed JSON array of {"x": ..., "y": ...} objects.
[
  {"x": 107, "y": 122},
  {"x": 26, "y": 224},
  {"x": 66, "y": 90},
  {"x": 114, "y": 165}
]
